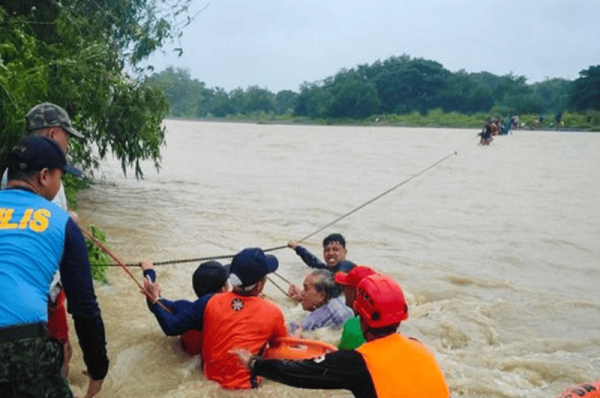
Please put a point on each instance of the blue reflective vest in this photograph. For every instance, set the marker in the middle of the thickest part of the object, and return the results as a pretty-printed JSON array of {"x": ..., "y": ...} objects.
[{"x": 32, "y": 237}]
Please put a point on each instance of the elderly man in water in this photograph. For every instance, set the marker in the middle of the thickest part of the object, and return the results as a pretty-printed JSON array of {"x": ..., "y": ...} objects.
[{"x": 321, "y": 296}]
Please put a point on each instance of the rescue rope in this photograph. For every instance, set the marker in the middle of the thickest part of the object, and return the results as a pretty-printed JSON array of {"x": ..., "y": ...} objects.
[
  {"x": 88, "y": 234},
  {"x": 368, "y": 202},
  {"x": 189, "y": 260}
]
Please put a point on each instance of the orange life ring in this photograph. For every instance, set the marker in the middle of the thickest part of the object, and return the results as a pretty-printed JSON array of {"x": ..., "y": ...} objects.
[
  {"x": 294, "y": 348},
  {"x": 583, "y": 390}
]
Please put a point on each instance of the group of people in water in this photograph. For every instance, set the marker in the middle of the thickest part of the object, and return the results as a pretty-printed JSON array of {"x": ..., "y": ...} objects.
[
  {"x": 496, "y": 126},
  {"x": 230, "y": 324},
  {"x": 230, "y": 328}
]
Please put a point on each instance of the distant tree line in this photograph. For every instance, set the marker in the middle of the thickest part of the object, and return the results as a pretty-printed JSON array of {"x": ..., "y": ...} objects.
[{"x": 398, "y": 85}]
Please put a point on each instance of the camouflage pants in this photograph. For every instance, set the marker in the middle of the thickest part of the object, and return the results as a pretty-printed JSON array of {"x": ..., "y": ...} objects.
[{"x": 30, "y": 368}]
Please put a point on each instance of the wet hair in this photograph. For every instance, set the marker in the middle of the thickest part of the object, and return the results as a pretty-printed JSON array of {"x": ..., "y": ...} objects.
[
  {"x": 209, "y": 277},
  {"x": 325, "y": 283},
  {"x": 334, "y": 238}
]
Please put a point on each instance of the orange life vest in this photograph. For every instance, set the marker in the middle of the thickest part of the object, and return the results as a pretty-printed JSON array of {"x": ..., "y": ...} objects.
[
  {"x": 235, "y": 321},
  {"x": 403, "y": 368}
]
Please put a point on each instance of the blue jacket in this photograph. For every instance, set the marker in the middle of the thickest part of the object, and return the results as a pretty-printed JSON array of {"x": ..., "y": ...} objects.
[
  {"x": 185, "y": 315},
  {"x": 37, "y": 238}
]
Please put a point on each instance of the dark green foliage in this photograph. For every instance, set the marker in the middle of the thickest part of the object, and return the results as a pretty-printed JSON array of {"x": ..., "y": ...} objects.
[
  {"x": 220, "y": 105},
  {"x": 463, "y": 94},
  {"x": 398, "y": 85},
  {"x": 352, "y": 96},
  {"x": 187, "y": 97},
  {"x": 553, "y": 93},
  {"x": 98, "y": 259},
  {"x": 406, "y": 85},
  {"x": 585, "y": 92},
  {"x": 77, "y": 54},
  {"x": 285, "y": 101},
  {"x": 258, "y": 100}
]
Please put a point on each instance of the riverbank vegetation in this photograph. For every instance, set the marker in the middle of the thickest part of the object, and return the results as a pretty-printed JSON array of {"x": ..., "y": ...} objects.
[
  {"x": 400, "y": 91},
  {"x": 84, "y": 56}
]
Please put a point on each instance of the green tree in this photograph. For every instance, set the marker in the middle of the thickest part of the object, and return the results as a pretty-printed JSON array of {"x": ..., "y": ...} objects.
[
  {"x": 237, "y": 102},
  {"x": 406, "y": 85},
  {"x": 259, "y": 100},
  {"x": 220, "y": 105},
  {"x": 314, "y": 100},
  {"x": 553, "y": 93},
  {"x": 187, "y": 97},
  {"x": 77, "y": 54},
  {"x": 464, "y": 94},
  {"x": 352, "y": 96},
  {"x": 285, "y": 101},
  {"x": 388, "y": 78},
  {"x": 585, "y": 93}
]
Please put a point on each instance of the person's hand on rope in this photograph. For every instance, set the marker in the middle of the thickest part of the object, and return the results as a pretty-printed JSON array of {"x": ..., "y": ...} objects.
[
  {"x": 151, "y": 290},
  {"x": 295, "y": 293},
  {"x": 292, "y": 245},
  {"x": 146, "y": 265}
]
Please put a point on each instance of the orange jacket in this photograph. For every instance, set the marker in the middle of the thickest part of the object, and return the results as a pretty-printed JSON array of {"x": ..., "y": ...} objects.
[
  {"x": 402, "y": 367},
  {"x": 235, "y": 321}
]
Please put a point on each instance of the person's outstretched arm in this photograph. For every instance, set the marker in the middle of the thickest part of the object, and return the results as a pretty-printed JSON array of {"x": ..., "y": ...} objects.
[
  {"x": 309, "y": 259},
  {"x": 77, "y": 281}
]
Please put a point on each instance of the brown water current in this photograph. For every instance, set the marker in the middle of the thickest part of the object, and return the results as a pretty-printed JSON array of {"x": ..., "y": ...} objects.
[{"x": 497, "y": 248}]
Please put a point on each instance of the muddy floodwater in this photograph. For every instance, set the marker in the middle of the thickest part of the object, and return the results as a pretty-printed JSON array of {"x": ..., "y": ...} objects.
[{"x": 497, "y": 248}]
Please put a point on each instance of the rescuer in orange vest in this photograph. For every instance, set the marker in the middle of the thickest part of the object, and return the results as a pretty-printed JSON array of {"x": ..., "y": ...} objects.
[{"x": 387, "y": 365}]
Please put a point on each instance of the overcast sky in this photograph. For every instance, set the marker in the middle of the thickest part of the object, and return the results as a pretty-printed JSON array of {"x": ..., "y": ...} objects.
[{"x": 279, "y": 44}]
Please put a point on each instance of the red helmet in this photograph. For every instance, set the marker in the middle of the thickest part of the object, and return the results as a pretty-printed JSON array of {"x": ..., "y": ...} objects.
[{"x": 380, "y": 301}]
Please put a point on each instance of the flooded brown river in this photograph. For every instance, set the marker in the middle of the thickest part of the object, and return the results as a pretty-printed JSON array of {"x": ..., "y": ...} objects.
[{"x": 497, "y": 248}]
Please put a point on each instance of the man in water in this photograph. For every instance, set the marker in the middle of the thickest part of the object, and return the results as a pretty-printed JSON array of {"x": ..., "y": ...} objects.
[
  {"x": 334, "y": 254},
  {"x": 387, "y": 365},
  {"x": 38, "y": 238},
  {"x": 236, "y": 319},
  {"x": 321, "y": 298},
  {"x": 185, "y": 317}
]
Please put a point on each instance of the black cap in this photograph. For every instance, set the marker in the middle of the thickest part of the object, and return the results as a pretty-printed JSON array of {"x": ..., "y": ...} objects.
[
  {"x": 36, "y": 153},
  {"x": 209, "y": 277},
  {"x": 251, "y": 265}
]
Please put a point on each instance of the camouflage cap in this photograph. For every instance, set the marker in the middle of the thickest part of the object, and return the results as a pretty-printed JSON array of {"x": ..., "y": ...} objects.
[{"x": 48, "y": 115}]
